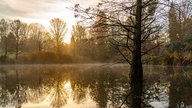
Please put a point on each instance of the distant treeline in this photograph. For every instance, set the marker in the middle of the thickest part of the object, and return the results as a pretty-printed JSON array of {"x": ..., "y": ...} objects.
[{"x": 32, "y": 43}]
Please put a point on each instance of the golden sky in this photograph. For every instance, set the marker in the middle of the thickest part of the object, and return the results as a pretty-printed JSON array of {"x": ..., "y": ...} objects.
[{"x": 42, "y": 11}]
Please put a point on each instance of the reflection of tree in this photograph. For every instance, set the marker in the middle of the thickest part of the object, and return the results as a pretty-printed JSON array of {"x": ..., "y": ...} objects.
[
  {"x": 99, "y": 87},
  {"x": 59, "y": 94},
  {"x": 38, "y": 89},
  {"x": 117, "y": 89},
  {"x": 155, "y": 89},
  {"x": 79, "y": 94},
  {"x": 99, "y": 94},
  {"x": 32, "y": 85},
  {"x": 106, "y": 87},
  {"x": 174, "y": 88},
  {"x": 4, "y": 94},
  {"x": 180, "y": 90},
  {"x": 19, "y": 96},
  {"x": 37, "y": 95}
]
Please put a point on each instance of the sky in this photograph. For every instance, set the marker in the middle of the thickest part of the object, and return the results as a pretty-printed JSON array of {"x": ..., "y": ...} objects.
[{"x": 42, "y": 11}]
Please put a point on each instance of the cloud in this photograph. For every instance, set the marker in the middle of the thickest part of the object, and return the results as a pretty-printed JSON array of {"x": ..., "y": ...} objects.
[
  {"x": 42, "y": 11},
  {"x": 6, "y": 11},
  {"x": 36, "y": 8},
  {"x": 25, "y": 8}
]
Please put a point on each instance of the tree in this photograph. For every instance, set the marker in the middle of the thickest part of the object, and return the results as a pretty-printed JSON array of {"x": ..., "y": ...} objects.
[
  {"x": 79, "y": 36},
  {"x": 179, "y": 30},
  {"x": 58, "y": 30},
  {"x": 37, "y": 37},
  {"x": 11, "y": 42},
  {"x": 79, "y": 32},
  {"x": 19, "y": 30},
  {"x": 129, "y": 37},
  {"x": 180, "y": 18},
  {"x": 96, "y": 29},
  {"x": 99, "y": 34},
  {"x": 4, "y": 27},
  {"x": 187, "y": 25},
  {"x": 184, "y": 12},
  {"x": 173, "y": 23}
]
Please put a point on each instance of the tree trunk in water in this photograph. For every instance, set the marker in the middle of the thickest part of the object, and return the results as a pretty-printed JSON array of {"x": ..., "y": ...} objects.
[
  {"x": 136, "y": 66},
  {"x": 136, "y": 83}
]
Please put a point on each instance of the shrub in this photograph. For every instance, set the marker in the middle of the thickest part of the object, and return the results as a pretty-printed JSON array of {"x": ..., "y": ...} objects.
[{"x": 45, "y": 58}]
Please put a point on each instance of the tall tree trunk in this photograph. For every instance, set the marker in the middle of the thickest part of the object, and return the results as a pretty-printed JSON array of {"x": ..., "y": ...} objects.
[
  {"x": 17, "y": 47},
  {"x": 6, "y": 48},
  {"x": 39, "y": 47},
  {"x": 136, "y": 66}
]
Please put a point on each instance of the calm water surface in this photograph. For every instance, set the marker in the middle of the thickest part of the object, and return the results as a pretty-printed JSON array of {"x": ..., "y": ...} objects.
[{"x": 91, "y": 86}]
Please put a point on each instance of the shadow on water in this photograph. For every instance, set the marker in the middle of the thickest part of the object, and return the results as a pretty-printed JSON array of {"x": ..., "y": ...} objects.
[{"x": 90, "y": 86}]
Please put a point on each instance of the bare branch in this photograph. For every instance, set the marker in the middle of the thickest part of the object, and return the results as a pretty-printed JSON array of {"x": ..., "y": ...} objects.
[{"x": 143, "y": 53}]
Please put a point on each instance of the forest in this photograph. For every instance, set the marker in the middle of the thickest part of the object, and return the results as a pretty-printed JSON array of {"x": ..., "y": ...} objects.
[
  {"x": 94, "y": 43},
  {"x": 32, "y": 43}
]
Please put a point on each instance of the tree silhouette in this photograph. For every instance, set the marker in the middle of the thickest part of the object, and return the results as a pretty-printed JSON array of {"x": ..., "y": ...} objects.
[
  {"x": 58, "y": 30},
  {"x": 19, "y": 30},
  {"x": 4, "y": 27},
  {"x": 173, "y": 23},
  {"x": 77, "y": 40},
  {"x": 37, "y": 36},
  {"x": 128, "y": 37}
]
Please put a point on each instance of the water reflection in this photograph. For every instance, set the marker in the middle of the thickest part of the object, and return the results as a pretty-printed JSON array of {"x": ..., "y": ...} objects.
[
  {"x": 101, "y": 87},
  {"x": 180, "y": 95},
  {"x": 4, "y": 93}
]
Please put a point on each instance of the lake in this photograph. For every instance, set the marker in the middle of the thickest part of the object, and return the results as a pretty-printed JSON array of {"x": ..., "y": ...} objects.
[{"x": 91, "y": 86}]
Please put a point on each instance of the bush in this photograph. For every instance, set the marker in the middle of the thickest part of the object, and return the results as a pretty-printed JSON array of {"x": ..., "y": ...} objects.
[
  {"x": 3, "y": 59},
  {"x": 6, "y": 60},
  {"x": 45, "y": 58}
]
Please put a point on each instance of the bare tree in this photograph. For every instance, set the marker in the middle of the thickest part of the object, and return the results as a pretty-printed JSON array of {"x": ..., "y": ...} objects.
[
  {"x": 4, "y": 27},
  {"x": 133, "y": 25},
  {"x": 37, "y": 36},
  {"x": 58, "y": 30},
  {"x": 19, "y": 30},
  {"x": 184, "y": 10},
  {"x": 78, "y": 35}
]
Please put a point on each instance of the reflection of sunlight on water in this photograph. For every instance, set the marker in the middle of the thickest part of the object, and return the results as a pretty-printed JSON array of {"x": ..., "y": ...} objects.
[
  {"x": 67, "y": 87},
  {"x": 68, "y": 95},
  {"x": 87, "y": 103}
]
